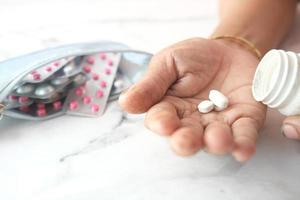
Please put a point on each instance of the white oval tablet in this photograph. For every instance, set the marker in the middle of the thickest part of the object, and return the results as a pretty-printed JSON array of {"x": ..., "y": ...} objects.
[
  {"x": 219, "y": 100},
  {"x": 205, "y": 106}
]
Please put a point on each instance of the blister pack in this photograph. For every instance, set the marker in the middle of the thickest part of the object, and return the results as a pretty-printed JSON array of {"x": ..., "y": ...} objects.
[
  {"x": 42, "y": 73},
  {"x": 78, "y": 79},
  {"x": 90, "y": 99}
]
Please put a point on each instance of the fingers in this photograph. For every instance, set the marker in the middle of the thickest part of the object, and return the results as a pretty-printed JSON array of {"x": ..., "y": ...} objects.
[
  {"x": 245, "y": 133},
  {"x": 148, "y": 91},
  {"x": 186, "y": 134},
  {"x": 218, "y": 138},
  {"x": 291, "y": 127},
  {"x": 162, "y": 118},
  {"x": 188, "y": 139}
]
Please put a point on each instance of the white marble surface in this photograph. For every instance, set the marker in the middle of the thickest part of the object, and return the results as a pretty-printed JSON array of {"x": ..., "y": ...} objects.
[{"x": 115, "y": 157}]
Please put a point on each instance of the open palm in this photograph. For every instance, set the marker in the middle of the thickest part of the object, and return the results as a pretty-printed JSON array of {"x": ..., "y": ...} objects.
[{"x": 182, "y": 75}]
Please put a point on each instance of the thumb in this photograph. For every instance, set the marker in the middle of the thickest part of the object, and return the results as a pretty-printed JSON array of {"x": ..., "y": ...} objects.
[
  {"x": 291, "y": 127},
  {"x": 152, "y": 87}
]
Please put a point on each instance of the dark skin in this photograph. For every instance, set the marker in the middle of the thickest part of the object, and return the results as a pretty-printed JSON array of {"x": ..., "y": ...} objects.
[{"x": 181, "y": 75}]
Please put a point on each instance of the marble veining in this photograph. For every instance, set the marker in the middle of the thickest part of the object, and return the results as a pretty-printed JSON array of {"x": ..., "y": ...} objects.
[{"x": 115, "y": 157}]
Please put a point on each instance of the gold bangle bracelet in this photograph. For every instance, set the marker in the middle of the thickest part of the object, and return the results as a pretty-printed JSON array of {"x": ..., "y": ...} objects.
[{"x": 242, "y": 41}]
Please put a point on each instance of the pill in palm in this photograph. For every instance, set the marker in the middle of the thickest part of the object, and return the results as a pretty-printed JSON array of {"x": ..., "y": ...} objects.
[
  {"x": 219, "y": 100},
  {"x": 205, "y": 106}
]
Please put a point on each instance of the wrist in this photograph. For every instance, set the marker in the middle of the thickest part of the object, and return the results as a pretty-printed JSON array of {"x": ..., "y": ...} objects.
[
  {"x": 261, "y": 42},
  {"x": 242, "y": 42}
]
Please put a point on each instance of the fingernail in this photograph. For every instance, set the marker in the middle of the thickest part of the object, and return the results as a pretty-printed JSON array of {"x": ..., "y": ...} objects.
[
  {"x": 123, "y": 93},
  {"x": 290, "y": 132}
]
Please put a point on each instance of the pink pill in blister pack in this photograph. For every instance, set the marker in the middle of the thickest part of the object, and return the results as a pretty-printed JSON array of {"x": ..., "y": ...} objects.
[
  {"x": 99, "y": 93},
  {"x": 12, "y": 98},
  {"x": 40, "y": 106},
  {"x": 102, "y": 56},
  {"x": 73, "y": 105},
  {"x": 24, "y": 108},
  {"x": 56, "y": 64},
  {"x": 44, "y": 72},
  {"x": 79, "y": 91},
  {"x": 101, "y": 69},
  {"x": 107, "y": 71},
  {"x": 95, "y": 108},
  {"x": 86, "y": 99},
  {"x": 103, "y": 84},
  {"x": 87, "y": 69},
  {"x": 41, "y": 112},
  {"x": 36, "y": 76},
  {"x": 33, "y": 72},
  {"x": 49, "y": 69},
  {"x": 110, "y": 63},
  {"x": 23, "y": 99},
  {"x": 95, "y": 77},
  {"x": 90, "y": 60},
  {"x": 57, "y": 105}
]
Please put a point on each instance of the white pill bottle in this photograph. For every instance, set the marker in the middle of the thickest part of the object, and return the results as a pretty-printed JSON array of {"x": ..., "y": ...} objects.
[{"x": 276, "y": 81}]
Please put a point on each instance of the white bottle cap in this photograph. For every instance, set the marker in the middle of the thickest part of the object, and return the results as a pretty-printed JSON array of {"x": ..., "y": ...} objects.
[
  {"x": 267, "y": 73},
  {"x": 277, "y": 81}
]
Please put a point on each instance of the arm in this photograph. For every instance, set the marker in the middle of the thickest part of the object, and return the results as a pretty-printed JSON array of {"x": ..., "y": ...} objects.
[
  {"x": 180, "y": 76},
  {"x": 263, "y": 22}
]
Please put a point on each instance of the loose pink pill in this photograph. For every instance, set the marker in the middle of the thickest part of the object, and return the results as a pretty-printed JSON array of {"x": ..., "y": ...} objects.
[
  {"x": 41, "y": 112},
  {"x": 99, "y": 93},
  {"x": 102, "y": 56},
  {"x": 86, "y": 100},
  {"x": 95, "y": 108},
  {"x": 36, "y": 76},
  {"x": 103, "y": 84},
  {"x": 87, "y": 69},
  {"x": 110, "y": 62},
  {"x": 23, "y": 99},
  {"x": 24, "y": 108},
  {"x": 73, "y": 105},
  {"x": 95, "y": 77},
  {"x": 49, "y": 69},
  {"x": 90, "y": 60},
  {"x": 57, "y": 105},
  {"x": 107, "y": 71},
  {"x": 40, "y": 106}
]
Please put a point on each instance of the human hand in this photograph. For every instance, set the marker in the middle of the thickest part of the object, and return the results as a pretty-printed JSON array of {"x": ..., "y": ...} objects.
[
  {"x": 182, "y": 75},
  {"x": 291, "y": 127}
]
